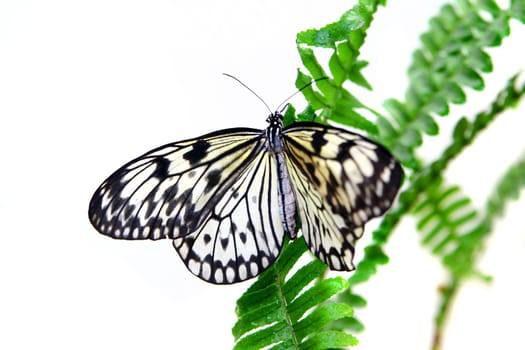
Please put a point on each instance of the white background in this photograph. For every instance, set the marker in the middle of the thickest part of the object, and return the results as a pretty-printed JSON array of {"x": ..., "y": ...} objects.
[{"x": 87, "y": 85}]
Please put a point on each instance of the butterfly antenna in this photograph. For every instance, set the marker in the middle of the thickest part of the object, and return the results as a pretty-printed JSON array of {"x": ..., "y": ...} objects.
[
  {"x": 298, "y": 91},
  {"x": 253, "y": 92}
]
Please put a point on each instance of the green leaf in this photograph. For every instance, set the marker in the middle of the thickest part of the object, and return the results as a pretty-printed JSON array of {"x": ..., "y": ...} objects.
[
  {"x": 376, "y": 253},
  {"x": 315, "y": 100},
  {"x": 321, "y": 317},
  {"x": 386, "y": 129},
  {"x": 490, "y": 6},
  {"x": 337, "y": 69},
  {"x": 302, "y": 278},
  {"x": 454, "y": 93},
  {"x": 270, "y": 312},
  {"x": 499, "y": 30},
  {"x": 480, "y": 60},
  {"x": 307, "y": 115},
  {"x": 509, "y": 187},
  {"x": 274, "y": 334},
  {"x": 449, "y": 17},
  {"x": 426, "y": 123},
  {"x": 329, "y": 339},
  {"x": 262, "y": 297},
  {"x": 329, "y": 35},
  {"x": 347, "y": 116},
  {"x": 517, "y": 10},
  {"x": 344, "y": 38},
  {"x": 356, "y": 76},
  {"x": 397, "y": 110},
  {"x": 289, "y": 116},
  {"x": 350, "y": 324},
  {"x": 310, "y": 62},
  {"x": 353, "y": 300},
  {"x": 438, "y": 104},
  {"x": 365, "y": 269},
  {"x": 315, "y": 295},
  {"x": 266, "y": 313}
]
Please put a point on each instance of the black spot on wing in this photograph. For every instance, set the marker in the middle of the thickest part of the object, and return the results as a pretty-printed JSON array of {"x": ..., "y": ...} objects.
[
  {"x": 318, "y": 141},
  {"x": 162, "y": 167},
  {"x": 128, "y": 211},
  {"x": 224, "y": 243},
  {"x": 117, "y": 203},
  {"x": 243, "y": 237},
  {"x": 344, "y": 150},
  {"x": 212, "y": 178},
  {"x": 250, "y": 227},
  {"x": 310, "y": 168},
  {"x": 197, "y": 152},
  {"x": 173, "y": 199}
]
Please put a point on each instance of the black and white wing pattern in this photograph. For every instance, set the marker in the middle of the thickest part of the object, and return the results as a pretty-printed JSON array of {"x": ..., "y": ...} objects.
[
  {"x": 341, "y": 181},
  {"x": 244, "y": 233},
  {"x": 226, "y": 199},
  {"x": 215, "y": 196}
]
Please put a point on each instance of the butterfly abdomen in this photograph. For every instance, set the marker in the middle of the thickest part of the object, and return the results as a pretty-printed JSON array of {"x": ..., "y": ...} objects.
[{"x": 287, "y": 200}]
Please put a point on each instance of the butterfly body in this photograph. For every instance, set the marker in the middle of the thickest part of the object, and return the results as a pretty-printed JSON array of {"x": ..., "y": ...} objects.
[
  {"x": 227, "y": 198},
  {"x": 287, "y": 200}
]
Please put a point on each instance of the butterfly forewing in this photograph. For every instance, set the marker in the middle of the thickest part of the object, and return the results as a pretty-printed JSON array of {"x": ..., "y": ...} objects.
[
  {"x": 170, "y": 191},
  {"x": 341, "y": 180}
]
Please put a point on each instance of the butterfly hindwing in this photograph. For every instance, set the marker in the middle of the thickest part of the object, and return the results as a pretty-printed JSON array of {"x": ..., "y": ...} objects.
[
  {"x": 341, "y": 180},
  {"x": 244, "y": 234}
]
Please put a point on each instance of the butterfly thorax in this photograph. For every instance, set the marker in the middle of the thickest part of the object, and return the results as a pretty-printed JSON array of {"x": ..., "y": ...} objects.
[
  {"x": 274, "y": 132},
  {"x": 287, "y": 199}
]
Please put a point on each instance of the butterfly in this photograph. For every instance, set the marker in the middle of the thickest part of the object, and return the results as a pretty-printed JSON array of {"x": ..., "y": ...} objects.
[{"x": 228, "y": 199}]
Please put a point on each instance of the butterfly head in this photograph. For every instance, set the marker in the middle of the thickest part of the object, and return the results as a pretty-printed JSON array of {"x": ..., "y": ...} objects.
[{"x": 275, "y": 119}]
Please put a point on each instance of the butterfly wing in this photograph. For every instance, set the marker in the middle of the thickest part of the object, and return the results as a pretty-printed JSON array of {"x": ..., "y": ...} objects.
[
  {"x": 341, "y": 181},
  {"x": 244, "y": 234},
  {"x": 171, "y": 190},
  {"x": 214, "y": 195}
]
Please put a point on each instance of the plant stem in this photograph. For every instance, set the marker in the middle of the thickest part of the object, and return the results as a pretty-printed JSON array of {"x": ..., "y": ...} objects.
[{"x": 448, "y": 293}]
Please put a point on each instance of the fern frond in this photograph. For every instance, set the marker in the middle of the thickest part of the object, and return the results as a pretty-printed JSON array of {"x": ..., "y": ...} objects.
[
  {"x": 509, "y": 188},
  {"x": 450, "y": 227},
  {"x": 283, "y": 313},
  {"x": 452, "y": 58},
  {"x": 456, "y": 233},
  {"x": 345, "y": 38},
  {"x": 464, "y": 134},
  {"x": 442, "y": 215},
  {"x": 461, "y": 261}
]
